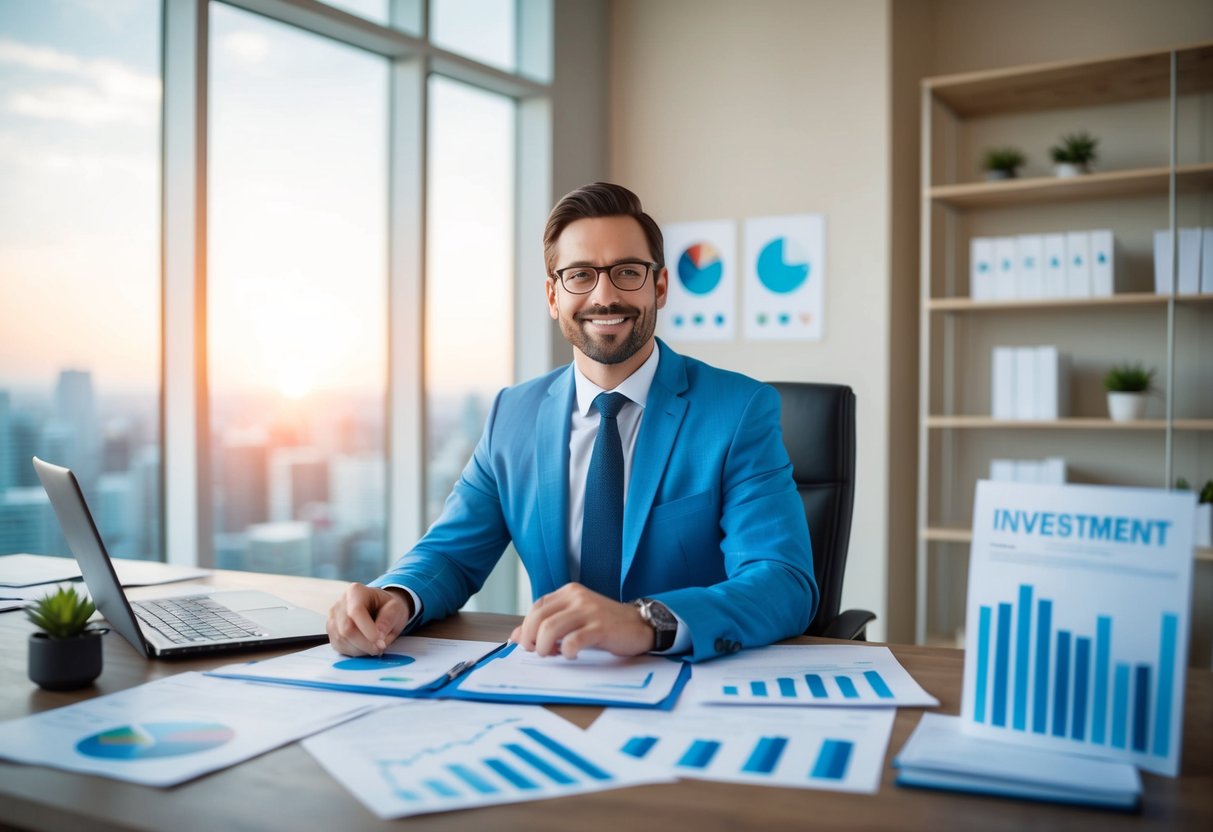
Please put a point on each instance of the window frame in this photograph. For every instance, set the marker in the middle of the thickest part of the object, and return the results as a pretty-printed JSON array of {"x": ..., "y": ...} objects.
[{"x": 185, "y": 408}]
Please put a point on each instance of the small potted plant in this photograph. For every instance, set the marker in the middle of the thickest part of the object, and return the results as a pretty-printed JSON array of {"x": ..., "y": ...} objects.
[
  {"x": 1127, "y": 386},
  {"x": 1002, "y": 162},
  {"x": 1074, "y": 155},
  {"x": 1203, "y": 536},
  {"x": 66, "y": 654}
]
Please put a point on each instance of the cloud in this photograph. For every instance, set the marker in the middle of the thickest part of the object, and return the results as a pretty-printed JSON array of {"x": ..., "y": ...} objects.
[
  {"x": 90, "y": 91},
  {"x": 246, "y": 46}
]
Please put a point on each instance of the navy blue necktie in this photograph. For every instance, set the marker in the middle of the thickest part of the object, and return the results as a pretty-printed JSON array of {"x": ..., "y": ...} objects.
[{"x": 602, "y": 523}]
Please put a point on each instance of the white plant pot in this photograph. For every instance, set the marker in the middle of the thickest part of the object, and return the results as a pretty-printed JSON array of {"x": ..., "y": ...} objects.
[
  {"x": 1126, "y": 407},
  {"x": 1066, "y": 170},
  {"x": 1203, "y": 536}
]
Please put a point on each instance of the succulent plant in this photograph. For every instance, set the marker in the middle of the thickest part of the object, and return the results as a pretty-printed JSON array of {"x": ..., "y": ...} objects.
[
  {"x": 1128, "y": 378},
  {"x": 63, "y": 614}
]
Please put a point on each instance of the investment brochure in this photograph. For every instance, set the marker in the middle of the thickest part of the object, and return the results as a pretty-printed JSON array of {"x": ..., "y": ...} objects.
[
  {"x": 1078, "y": 616},
  {"x": 435, "y": 668}
]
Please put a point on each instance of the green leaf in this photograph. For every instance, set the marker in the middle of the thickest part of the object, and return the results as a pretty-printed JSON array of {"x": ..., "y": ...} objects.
[{"x": 63, "y": 614}]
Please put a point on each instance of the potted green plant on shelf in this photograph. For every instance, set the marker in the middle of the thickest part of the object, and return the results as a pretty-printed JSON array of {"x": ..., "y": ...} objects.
[
  {"x": 1002, "y": 162},
  {"x": 1203, "y": 535},
  {"x": 66, "y": 653},
  {"x": 1127, "y": 386},
  {"x": 1074, "y": 155}
]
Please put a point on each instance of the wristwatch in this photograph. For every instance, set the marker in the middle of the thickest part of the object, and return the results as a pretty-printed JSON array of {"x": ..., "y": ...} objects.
[{"x": 658, "y": 616}]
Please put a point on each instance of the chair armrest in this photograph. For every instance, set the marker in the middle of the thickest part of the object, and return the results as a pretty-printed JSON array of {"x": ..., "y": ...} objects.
[{"x": 850, "y": 624}]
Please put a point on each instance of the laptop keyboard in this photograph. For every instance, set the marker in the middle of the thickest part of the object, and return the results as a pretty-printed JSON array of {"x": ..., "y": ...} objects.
[{"x": 195, "y": 618}]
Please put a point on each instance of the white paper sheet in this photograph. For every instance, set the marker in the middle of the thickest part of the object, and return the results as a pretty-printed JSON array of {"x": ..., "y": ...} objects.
[
  {"x": 30, "y": 571},
  {"x": 836, "y": 675},
  {"x": 440, "y": 756},
  {"x": 174, "y": 729},
  {"x": 594, "y": 675},
  {"x": 807, "y": 748},
  {"x": 410, "y": 663},
  {"x": 1077, "y": 620}
]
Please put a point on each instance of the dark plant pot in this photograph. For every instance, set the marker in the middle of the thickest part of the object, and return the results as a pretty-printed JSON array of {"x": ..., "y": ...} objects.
[{"x": 65, "y": 663}]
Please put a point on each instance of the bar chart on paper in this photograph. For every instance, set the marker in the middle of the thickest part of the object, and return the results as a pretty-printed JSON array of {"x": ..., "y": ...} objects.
[
  {"x": 840, "y": 675},
  {"x": 1077, "y": 640},
  {"x": 438, "y": 756},
  {"x": 807, "y": 748}
]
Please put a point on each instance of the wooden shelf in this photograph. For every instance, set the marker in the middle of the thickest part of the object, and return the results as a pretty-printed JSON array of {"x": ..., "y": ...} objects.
[
  {"x": 1036, "y": 304},
  {"x": 1046, "y": 189},
  {"x": 1079, "y": 423},
  {"x": 1065, "y": 84},
  {"x": 957, "y": 534}
]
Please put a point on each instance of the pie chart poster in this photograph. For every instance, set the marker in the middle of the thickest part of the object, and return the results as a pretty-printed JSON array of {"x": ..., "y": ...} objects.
[
  {"x": 785, "y": 277},
  {"x": 702, "y": 259}
]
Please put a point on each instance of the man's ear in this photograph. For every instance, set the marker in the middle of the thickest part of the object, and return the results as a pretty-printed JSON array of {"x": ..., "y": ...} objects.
[
  {"x": 553, "y": 306},
  {"x": 662, "y": 284}
]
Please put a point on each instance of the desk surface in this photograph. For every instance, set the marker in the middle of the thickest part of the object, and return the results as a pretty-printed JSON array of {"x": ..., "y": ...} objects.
[{"x": 287, "y": 789}]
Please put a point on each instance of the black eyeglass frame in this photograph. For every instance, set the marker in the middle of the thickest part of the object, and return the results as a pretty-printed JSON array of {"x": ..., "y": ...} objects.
[{"x": 559, "y": 274}]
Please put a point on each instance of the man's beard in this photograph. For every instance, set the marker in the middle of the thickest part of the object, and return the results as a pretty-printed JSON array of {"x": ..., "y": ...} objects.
[{"x": 609, "y": 348}]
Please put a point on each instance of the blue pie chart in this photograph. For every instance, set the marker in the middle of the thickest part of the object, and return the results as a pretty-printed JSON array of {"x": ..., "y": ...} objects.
[
  {"x": 776, "y": 272},
  {"x": 700, "y": 268},
  {"x": 374, "y": 662},
  {"x": 155, "y": 739}
]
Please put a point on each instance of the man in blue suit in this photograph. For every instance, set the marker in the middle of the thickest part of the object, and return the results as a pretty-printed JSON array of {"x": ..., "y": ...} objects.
[{"x": 648, "y": 494}]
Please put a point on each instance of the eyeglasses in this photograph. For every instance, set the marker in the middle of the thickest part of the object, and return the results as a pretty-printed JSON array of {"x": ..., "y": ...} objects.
[{"x": 627, "y": 277}]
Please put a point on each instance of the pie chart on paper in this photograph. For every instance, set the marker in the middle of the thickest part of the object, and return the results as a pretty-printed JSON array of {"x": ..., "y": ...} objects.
[
  {"x": 700, "y": 268},
  {"x": 387, "y": 660},
  {"x": 155, "y": 739},
  {"x": 782, "y": 266}
]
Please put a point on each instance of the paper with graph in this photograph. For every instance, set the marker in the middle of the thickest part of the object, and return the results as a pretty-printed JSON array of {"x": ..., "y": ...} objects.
[{"x": 427, "y": 756}]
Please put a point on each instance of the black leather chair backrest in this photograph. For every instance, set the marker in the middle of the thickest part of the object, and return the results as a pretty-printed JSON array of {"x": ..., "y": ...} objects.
[{"x": 818, "y": 422}]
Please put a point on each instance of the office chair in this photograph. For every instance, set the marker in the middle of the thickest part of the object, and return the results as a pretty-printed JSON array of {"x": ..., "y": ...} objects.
[{"x": 818, "y": 422}]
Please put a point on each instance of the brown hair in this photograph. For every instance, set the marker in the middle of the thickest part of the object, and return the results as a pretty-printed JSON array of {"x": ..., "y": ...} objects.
[{"x": 599, "y": 199}]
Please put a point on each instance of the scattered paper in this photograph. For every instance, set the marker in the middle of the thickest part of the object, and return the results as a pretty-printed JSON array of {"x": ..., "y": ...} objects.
[
  {"x": 174, "y": 729},
  {"x": 440, "y": 756}
]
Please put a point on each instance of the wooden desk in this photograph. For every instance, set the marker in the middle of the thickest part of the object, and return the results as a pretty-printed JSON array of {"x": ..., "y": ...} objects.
[{"x": 285, "y": 789}]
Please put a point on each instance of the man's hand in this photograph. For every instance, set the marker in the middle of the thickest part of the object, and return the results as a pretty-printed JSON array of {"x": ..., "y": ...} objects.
[
  {"x": 365, "y": 620},
  {"x": 573, "y": 618}
]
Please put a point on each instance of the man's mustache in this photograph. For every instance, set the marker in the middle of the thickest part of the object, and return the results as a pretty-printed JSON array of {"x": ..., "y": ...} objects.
[{"x": 615, "y": 309}]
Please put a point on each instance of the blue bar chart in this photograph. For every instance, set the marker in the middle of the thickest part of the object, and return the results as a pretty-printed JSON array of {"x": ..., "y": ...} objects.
[
  {"x": 817, "y": 749},
  {"x": 815, "y": 675},
  {"x": 1069, "y": 688},
  {"x": 437, "y": 756},
  {"x": 1078, "y": 603}
]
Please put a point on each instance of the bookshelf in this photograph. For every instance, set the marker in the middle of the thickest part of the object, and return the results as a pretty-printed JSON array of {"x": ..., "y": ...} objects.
[{"x": 1151, "y": 112}]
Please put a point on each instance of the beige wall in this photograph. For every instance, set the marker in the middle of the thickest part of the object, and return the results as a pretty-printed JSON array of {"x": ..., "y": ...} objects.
[{"x": 727, "y": 110}]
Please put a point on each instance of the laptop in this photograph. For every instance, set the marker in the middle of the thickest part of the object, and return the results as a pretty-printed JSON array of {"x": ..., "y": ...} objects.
[{"x": 179, "y": 625}]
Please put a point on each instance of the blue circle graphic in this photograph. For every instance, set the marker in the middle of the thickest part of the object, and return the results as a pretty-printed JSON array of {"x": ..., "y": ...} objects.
[
  {"x": 374, "y": 662},
  {"x": 155, "y": 739},
  {"x": 700, "y": 268},
  {"x": 775, "y": 272}
]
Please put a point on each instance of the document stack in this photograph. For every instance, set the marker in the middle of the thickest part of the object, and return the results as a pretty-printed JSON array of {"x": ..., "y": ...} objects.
[
  {"x": 1077, "y": 264},
  {"x": 1195, "y": 273},
  {"x": 1029, "y": 383}
]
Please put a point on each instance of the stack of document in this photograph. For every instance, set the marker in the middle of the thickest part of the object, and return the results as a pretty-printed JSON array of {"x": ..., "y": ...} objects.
[{"x": 939, "y": 755}]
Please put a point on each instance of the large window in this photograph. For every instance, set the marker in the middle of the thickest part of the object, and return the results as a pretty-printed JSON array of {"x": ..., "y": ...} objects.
[
  {"x": 297, "y": 285},
  {"x": 469, "y": 305},
  {"x": 353, "y": 174},
  {"x": 79, "y": 267}
]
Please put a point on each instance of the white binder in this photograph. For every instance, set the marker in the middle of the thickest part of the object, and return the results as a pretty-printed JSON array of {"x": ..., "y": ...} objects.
[
  {"x": 1103, "y": 263},
  {"x": 1078, "y": 264},
  {"x": 1055, "y": 285},
  {"x": 1030, "y": 255}
]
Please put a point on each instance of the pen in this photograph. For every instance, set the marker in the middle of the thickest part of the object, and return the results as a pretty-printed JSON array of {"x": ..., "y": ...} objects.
[{"x": 464, "y": 666}]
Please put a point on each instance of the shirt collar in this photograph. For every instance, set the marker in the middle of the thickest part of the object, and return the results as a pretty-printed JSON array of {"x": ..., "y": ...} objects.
[{"x": 635, "y": 387}]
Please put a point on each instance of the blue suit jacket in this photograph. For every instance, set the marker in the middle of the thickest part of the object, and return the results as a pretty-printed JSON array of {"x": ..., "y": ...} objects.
[{"x": 713, "y": 526}]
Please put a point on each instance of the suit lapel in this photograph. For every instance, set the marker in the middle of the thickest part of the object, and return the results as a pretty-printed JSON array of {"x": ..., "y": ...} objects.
[
  {"x": 663, "y": 415},
  {"x": 552, "y": 457}
]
